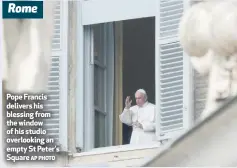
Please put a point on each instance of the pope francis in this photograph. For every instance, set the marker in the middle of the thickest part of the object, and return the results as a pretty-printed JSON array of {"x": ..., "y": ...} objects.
[{"x": 141, "y": 117}]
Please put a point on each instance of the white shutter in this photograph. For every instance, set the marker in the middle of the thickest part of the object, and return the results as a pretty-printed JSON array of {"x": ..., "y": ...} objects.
[
  {"x": 57, "y": 86},
  {"x": 200, "y": 93},
  {"x": 172, "y": 73}
]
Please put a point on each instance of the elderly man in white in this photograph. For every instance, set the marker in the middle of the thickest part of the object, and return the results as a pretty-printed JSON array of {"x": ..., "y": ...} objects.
[{"x": 141, "y": 117}]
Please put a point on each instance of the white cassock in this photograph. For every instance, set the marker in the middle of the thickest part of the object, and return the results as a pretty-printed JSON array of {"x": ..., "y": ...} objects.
[{"x": 145, "y": 115}]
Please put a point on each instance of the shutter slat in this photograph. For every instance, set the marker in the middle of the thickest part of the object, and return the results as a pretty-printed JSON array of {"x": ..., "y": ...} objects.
[
  {"x": 172, "y": 102},
  {"x": 170, "y": 22},
  {"x": 176, "y": 90},
  {"x": 173, "y": 83},
  {"x": 167, "y": 99},
  {"x": 172, "y": 93},
  {"x": 177, "y": 120},
  {"x": 170, "y": 117},
  {"x": 168, "y": 79},
  {"x": 171, "y": 60},
  {"x": 165, "y": 3},
  {"x": 171, "y": 87},
  {"x": 171, "y": 108},
  {"x": 172, "y": 64},
  {"x": 53, "y": 130},
  {"x": 51, "y": 126},
  {"x": 174, "y": 127},
  {"x": 171, "y": 112},
  {"x": 172, "y": 69},
  {"x": 170, "y": 12}
]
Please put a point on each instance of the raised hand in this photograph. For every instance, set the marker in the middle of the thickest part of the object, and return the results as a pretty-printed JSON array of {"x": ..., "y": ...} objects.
[{"x": 128, "y": 102}]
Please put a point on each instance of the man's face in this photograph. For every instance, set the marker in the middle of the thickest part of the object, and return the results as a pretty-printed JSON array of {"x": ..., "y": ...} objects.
[{"x": 140, "y": 99}]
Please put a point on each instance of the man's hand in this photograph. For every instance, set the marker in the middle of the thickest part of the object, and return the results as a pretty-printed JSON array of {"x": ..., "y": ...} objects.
[
  {"x": 128, "y": 102},
  {"x": 138, "y": 125}
]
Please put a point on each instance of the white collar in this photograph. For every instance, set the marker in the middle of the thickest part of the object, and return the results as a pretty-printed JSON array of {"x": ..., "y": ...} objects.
[{"x": 144, "y": 105}]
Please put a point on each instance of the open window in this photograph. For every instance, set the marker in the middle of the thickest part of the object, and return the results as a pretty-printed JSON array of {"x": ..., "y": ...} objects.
[
  {"x": 103, "y": 73},
  {"x": 99, "y": 67}
]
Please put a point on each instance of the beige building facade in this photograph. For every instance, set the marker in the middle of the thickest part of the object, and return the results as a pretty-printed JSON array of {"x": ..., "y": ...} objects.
[{"x": 88, "y": 46}]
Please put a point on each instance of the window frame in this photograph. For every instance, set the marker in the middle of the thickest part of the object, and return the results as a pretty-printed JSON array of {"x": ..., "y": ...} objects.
[
  {"x": 102, "y": 66},
  {"x": 87, "y": 95},
  {"x": 83, "y": 124},
  {"x": 140, "y": 9}
]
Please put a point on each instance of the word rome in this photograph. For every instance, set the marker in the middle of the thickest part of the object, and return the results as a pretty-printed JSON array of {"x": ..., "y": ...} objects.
[{"x": 12, "y": 8}]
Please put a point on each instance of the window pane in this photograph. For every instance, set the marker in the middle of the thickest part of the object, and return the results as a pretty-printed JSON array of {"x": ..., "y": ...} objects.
[
  {"x": 100, "y": 134},
  {"x": 99, "y": 87},
  {"x": 99, "y": 43}
]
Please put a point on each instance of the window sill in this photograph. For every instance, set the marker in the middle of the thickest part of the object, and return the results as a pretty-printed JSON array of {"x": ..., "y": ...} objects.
[
  {"x": 114, "y": 149},
  {"x": 115, "y": 156}
]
